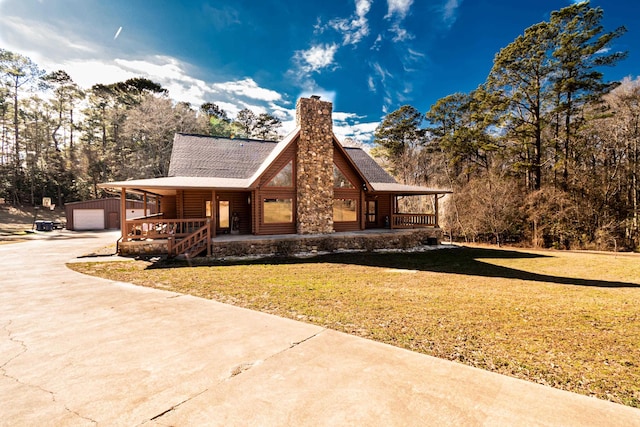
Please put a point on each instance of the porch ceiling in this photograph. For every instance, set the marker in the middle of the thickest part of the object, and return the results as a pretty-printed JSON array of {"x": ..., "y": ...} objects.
[{"x": 406, "y": 190}]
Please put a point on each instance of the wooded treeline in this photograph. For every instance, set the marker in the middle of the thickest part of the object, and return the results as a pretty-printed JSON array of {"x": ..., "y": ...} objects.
[
  {"x": 544, "y": 152},
  {"x": 58, "y": 140}
]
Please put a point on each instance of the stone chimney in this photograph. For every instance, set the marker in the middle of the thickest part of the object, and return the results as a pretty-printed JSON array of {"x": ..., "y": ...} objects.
[{"x": 314, "y": 166}]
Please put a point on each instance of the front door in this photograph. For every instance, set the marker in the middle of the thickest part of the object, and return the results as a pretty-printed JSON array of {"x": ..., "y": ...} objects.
[
  {"x": 223, "y": 216},
  {"x": 371, "y": 214}
]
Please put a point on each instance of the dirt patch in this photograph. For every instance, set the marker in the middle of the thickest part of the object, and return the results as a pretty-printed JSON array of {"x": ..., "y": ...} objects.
[{"x": 19, "y": 220}]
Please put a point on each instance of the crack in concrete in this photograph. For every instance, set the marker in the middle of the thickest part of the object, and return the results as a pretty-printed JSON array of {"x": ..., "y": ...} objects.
[
  {"x": 37, "y": 387},
  {"x": 241, "y": 368},
  {"x": 162, "y": 414},
  {"x": 297, "y": 343},
  {"x": 13, "y": 339}
]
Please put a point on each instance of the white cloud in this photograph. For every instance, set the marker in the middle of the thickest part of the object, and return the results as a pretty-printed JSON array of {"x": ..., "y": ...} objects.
[
  {"x": 343, "y": 116},
  {"x": 381, "y": 72},
  {"x": 355, "y": 28},
  {"x": 398, "y": 8},
  {"x": 400, "y": 34},
  {"x": 397, "y": 11},
  {"x": 162, "y": 67},
  {"x": 86, "y": 73},
  {"x": 248, "y": 88},
  {"x": 377, "y": 43},
  {"x": 371, "y": 84},
  {"x": 316, "y": 58},
  {"x": 117, "y": 33},
  {"x": 360, "y": 132},
  {"x": 231, "y": 108},
  {"x": 450, "y": 11},
  {"x": 38, "y": 36}
]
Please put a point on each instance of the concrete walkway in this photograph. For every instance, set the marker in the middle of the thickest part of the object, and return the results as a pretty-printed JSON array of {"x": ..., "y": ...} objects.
[{"x": 77, "y": 350}]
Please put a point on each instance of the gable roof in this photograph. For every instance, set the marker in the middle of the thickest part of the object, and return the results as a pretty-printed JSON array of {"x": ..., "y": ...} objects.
[
  {"x": 214, "y": 157},
  {"x": 199, "y": 161}
]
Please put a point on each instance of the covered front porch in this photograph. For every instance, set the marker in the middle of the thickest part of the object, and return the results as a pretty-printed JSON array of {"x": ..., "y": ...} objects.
[{"x": 195, "y": 221}]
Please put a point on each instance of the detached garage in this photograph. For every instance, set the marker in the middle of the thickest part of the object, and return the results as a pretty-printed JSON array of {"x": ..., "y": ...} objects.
[{"x": 102, "y": 214}]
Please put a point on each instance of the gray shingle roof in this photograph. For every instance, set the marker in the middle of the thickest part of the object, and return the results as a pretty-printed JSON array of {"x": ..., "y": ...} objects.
[
  {"x": 371, "y": 170},
  {"x": 213, "y": 157},
  {"x": 205, "y": 156}
]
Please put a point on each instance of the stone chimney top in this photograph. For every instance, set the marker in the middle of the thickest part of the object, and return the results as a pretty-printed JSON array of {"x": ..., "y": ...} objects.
[{"x": 313, "y": 110}]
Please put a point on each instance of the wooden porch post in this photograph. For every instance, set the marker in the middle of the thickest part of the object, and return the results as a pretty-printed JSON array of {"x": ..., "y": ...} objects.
[
  {"x": 254, "y": 212},
  {"x": 144, "y": 204},
  {"x": 435, "y": 205},
  {"x": 123, "y": 214},
  {"x": 214, "y": 213},
  {"x": 394, "y": 210},
  {"x": 363, "y": 210}
]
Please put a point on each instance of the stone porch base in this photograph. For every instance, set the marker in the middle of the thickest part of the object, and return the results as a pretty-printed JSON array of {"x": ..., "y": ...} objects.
[{"x": 290, "y": 244}]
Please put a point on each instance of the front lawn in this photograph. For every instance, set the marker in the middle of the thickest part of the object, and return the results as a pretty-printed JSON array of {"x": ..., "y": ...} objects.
[{"x": 568, "y": 320}]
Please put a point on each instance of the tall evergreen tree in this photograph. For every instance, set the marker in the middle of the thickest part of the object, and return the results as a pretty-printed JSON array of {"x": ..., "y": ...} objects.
[
  {"x": 520, "y": 76},
  {"x": 581, "y": 47}
]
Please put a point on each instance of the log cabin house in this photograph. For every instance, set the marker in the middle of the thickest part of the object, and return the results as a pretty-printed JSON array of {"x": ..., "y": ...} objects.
[{"x": 306, "y": 184}]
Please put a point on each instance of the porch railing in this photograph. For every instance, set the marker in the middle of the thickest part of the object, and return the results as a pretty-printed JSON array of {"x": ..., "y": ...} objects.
[
  {"x": 192, "y": 244},
  {"x": 154, "y": 227},
  {"x": 413, "y": 220}
]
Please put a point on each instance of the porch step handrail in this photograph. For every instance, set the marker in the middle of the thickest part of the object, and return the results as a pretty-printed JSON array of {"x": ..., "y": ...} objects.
[{"x": 193, "y": 241}]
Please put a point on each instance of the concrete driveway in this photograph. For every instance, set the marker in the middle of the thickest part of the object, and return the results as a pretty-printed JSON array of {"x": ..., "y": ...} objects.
[{"x": 78, "y": 350}]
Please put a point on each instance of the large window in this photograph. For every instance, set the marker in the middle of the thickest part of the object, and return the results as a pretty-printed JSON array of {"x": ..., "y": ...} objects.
[
  {"x": 278, "y": 211},
  {"x": 284, "y": 178},
  {"x": 345, "y": 210},
  {"x": 339, "y": 179}
]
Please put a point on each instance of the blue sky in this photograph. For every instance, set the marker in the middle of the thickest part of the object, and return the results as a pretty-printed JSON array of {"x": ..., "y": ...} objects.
[{"x": 368, "y": 57}]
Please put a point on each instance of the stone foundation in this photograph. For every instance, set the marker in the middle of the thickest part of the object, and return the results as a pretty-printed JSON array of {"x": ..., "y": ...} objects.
[
  {"x": 143, "y": 248},
  {"x": 312, "y": 244},
  {"x": 294, "y": 244}
]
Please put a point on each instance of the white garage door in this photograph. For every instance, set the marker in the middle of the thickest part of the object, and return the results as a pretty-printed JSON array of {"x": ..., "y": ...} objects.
[{"x": 88, "y": 219}]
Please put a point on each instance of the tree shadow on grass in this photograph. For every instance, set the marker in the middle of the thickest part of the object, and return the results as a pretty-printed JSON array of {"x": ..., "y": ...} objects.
[{"x": 465, "y": 261}]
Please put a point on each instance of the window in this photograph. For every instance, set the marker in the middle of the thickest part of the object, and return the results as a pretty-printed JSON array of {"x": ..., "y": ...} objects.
[
  {"x": 339, "y": 180},
  {"x": 207, "y": 209},
  {"x": 345, "y": 210},
  {"x": 284, "y": 178},
  {"x": 278, "y": 211}
]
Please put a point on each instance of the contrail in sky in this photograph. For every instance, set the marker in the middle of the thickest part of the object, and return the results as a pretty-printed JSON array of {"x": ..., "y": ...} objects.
[{"x": 117, "y": 33}]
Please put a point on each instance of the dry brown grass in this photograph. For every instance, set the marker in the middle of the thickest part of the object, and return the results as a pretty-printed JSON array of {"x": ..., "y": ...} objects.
[
  {"x": 568, "y": 320},
  {"x": 19, "y": 220}
]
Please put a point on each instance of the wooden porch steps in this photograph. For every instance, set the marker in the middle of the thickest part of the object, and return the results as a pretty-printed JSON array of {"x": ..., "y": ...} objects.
[{"x": 193, "y": 244}]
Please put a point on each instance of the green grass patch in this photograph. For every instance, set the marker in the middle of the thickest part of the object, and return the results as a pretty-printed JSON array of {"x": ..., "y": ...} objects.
[{"x": 568, "y": 320}]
